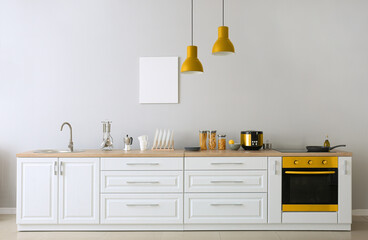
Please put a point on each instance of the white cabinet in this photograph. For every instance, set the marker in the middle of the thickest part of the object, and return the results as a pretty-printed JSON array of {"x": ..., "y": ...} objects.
[
  {"x": 225, "y": 163},
  {"x": 202, "y": 208},
  {"x": 141, "y": 181},
  {"x": 225, "y": 190},
  {"x": 166, "y": 193},
  {"x": 40, "y": 181},
  {"x": 344, "y": 198},
  {"x": 226, "y": 181},
  {"x": 146, "y": 190},
  {"x": 141, "y": 209},
  {"x": 79, "y": 190},
  {"x": 274, "y": 189},
  {"x": 143, "y": 163},
  {"x": 37, "y": 191}
]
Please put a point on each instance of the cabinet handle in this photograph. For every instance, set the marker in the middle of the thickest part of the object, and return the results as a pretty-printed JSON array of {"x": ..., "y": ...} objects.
[
  {"x": 61, "y": 168},
  {"x": 227, "y": 181},
  {"x": 142, "y": 164},
  {"x": 274, "y": 168},
  {"x": 309, "y": 172},
  {"x": 152, "y": 182},
  {"x": 345, "y": 167},
  {"x": 143, "y": 205},
  {"x": 227, "y": 204},
  {"x": 55, "y": 168},
  {"x": 230, "y": 163}
]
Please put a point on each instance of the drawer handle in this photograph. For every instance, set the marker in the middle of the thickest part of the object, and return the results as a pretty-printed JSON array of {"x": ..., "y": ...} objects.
[
  {"x": 227, "y": 181},
  {"x": 142, "y": 164},
  {"x": 152, "y": 182},
  {"x": 144, "y": 205},
  {"x": 227, "y": 163},
  {"x": 227, "y": 204}
]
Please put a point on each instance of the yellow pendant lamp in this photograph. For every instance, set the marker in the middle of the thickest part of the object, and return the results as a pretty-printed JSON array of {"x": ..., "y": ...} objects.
[
  {"x": 223, "y": 46},
  {"x": 192, "y": 64}
]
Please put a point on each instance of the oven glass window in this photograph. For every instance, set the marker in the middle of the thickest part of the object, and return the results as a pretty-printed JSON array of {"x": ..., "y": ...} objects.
[{"x": 309, "y": 188}]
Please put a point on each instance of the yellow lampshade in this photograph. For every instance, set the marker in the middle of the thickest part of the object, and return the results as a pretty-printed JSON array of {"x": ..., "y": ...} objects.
[
  {"x": 192, "y": 63},
  {"x": 223, "y": 45}
]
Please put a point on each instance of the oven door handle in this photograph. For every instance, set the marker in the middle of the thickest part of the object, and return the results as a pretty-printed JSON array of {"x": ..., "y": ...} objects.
[{"x": 310, "y": 172}]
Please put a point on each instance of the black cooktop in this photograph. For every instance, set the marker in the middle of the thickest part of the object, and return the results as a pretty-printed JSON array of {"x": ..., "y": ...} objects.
[{"x": 292, "y": 150}]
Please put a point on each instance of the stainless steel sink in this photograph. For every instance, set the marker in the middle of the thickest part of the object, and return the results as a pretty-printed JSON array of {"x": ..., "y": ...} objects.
[{"x": 57, "y": 151}]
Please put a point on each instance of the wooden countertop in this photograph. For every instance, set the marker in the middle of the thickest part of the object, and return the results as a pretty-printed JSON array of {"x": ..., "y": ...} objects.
[
  {"x": 262, "y": 153},
  {"x": 179, "y": 153}
]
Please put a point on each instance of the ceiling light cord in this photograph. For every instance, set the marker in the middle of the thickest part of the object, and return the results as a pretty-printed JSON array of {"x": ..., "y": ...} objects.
[
  {"x": 191, "y": 21},
  {"x": 223, "y": 12}
]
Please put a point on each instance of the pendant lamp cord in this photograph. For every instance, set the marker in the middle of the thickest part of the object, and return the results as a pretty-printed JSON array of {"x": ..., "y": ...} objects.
[
  {"x": 191, "y": 22},
  {"x": 223, "y": 12}
]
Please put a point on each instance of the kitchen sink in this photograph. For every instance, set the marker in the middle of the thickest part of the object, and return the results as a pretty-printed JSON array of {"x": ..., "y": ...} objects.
[{"x": 57, "y": 151}]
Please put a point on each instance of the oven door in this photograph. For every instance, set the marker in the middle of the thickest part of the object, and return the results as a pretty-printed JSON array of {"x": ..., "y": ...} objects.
[{"x": 309, "y": 189}]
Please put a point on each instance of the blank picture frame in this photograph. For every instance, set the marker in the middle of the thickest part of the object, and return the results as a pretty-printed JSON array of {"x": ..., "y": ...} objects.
[{"x": 159, "y": 80}]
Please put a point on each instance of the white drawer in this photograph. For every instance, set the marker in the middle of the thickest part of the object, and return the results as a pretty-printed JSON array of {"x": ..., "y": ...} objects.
[
  {"x": 226, "y": 181},
  {"x": 141, "y": 208},
  {"x": 141, "y": 181},
  {"x": 225, "y": 208},
  {"x": 309, "y": 217},
  {"x": 225, "y": 163},
  {"x": 153, "y": 163}
]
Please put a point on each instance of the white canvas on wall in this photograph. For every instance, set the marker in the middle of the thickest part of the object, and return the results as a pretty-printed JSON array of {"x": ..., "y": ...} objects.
[{"x": 158, "y": 80}]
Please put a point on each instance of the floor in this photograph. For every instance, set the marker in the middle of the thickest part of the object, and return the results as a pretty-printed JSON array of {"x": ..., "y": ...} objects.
[{"x": 359, "y": 231}]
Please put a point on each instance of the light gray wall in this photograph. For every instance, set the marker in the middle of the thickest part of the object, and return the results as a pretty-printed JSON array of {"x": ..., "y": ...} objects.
[{"x": 300, "y": 72}]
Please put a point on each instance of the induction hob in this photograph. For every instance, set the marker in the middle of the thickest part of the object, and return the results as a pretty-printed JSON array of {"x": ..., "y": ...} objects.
[{"x": 292, "y": 150}]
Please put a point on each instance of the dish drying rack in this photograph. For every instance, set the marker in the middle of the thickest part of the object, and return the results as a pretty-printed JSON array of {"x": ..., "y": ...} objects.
[{"x": 164, "y": 140}]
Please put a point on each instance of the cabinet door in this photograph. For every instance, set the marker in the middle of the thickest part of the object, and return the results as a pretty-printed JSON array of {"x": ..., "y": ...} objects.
[
  {"x": 274, "y": 189},
  {"x": 79, "y": 190},
  {"x": 37, "y": 190},
  {"x": 345, "y": 203}
]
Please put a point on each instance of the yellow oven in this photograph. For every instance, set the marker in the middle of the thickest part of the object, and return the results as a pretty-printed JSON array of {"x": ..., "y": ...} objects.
[{"x": 310, "y": 184}]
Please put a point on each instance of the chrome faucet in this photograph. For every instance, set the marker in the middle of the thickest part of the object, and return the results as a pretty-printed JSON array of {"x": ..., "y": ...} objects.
[{"x": 70, "y": 146}]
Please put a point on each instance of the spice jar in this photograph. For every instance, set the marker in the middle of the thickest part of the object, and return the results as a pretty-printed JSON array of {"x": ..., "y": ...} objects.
[
  {"x": 203, "y": 139},
  {"x": 212, "y": 140},
  {"x": 221, "y": 142}
]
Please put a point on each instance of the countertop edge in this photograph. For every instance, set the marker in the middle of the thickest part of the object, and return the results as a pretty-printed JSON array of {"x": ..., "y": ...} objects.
[{"x": 179, "y": 153}]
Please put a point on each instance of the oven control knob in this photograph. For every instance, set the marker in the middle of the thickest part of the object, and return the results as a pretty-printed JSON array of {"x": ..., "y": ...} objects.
[
  {"x": 310, "y": 162},
  {"x": 296, "y": 162},
  {"x": 324, "y": 162}
]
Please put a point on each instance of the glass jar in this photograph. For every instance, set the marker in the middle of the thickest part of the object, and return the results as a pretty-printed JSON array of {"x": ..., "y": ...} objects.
[
  {"x": 221, "y": 142},
  {"x": 203, "y": 139},
  {"x": 212, "y": 140}
]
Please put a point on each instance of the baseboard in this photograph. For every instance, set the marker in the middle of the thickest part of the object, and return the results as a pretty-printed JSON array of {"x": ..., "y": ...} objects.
[
  {"x": 360, "y": 212},
  {"x": 7, "y": 210}
]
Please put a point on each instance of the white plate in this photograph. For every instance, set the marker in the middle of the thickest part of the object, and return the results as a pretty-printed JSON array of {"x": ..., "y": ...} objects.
[{"x": 155, "y": 139}]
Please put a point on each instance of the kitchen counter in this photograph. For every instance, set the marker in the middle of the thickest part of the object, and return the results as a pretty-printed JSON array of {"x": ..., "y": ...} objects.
[
  {"x": 180, "y": 153},
  {"x": 174, "y": 190}
]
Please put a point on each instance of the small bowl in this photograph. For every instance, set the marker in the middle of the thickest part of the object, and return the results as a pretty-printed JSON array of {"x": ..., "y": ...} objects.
[{"x": 235, "y": 146}]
